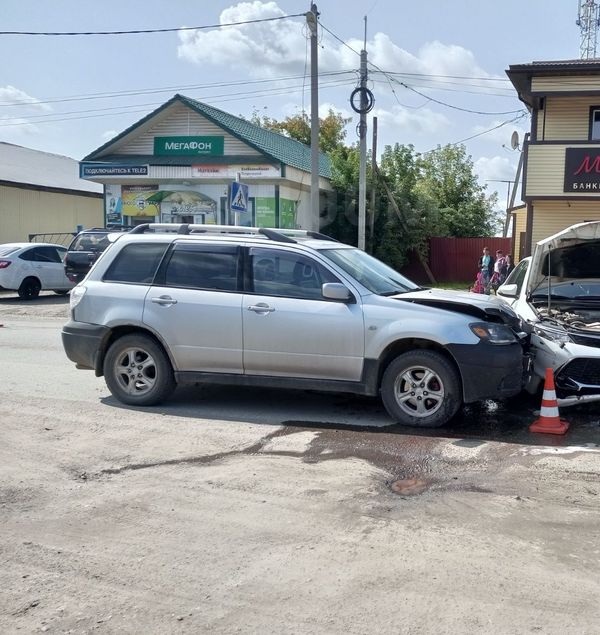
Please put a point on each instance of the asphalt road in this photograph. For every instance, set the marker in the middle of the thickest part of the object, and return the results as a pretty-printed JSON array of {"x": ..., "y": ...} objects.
[{"x": 254, "y": 511}]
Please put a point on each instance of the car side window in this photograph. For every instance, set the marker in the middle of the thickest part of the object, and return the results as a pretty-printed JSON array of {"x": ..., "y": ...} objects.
[
  {"x": 136, "y": 263},
  {"x": 208, "y": 267},
  {"x": 47, "y": 254},
  {"x": 518, "y": 275},
  {"x": 29, "y": 255},
  {"x": 287, "y": 274}
]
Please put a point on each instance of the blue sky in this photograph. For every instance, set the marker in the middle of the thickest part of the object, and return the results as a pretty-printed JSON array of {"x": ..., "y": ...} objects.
[{"x": 453, "y": 51}]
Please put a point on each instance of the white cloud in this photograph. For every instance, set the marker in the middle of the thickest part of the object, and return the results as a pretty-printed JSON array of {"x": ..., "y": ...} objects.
[
  {"x": 9, "y": 95},
  {"x": 109, "y": 134},
  {"x": 496, "y": 168},
  {"x": 422, "y": 121},
  {"x": 16, "y": 127},
  {"x": 278, "y": 48},
  {"x": 267, "y": 48}
]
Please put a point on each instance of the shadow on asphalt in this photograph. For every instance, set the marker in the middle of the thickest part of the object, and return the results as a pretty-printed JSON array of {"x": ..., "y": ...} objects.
[
  {"x": 46, "y": 298},
  {"x": 505, "y": 421}
]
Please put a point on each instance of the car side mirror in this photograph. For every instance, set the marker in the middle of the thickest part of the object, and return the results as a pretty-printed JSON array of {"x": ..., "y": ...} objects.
[
  {"x": 509, "y": 290},
  {"x": 336, "y": 291}
]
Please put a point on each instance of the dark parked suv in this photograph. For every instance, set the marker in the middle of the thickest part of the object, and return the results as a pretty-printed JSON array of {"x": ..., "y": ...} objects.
[{"x": 86, "y": 248}]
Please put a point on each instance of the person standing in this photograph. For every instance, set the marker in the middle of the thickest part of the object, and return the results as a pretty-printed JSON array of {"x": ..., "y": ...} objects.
[
  {"x": 499, "y": 269},
  {"x": 510, "y": 265},
  {"x": 485, "y": 264}
]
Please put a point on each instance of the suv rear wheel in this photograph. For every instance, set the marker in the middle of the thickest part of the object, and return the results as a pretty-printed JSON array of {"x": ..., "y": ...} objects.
[
  {"x": 137, "y": 371},
  {"x": 421, "y": 388}
]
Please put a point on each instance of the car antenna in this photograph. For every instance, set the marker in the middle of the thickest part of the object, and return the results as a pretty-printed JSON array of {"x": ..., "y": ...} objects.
[{"x": 549, "y": 286}]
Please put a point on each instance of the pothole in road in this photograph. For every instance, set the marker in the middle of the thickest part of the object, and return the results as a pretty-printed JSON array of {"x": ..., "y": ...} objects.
[{"x": 410, "y": 486}]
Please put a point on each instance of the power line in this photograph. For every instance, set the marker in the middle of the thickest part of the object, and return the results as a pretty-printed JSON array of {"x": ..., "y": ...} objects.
[
  {"x": 227, "y": 97},
  {"x": 141, "y": 31},
  {"x": 429, "y": 98},
  {"x": 151, "y": 91},
  {"x": 484, "y": 132}
]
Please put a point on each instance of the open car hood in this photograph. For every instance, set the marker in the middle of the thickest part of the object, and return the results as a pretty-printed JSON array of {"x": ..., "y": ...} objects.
[{"x": 576, "y": 235}]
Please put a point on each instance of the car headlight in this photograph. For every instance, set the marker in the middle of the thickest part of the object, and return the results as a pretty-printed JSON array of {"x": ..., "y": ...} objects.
[
  {"x": 493, "y": 333},
  {"x": 76, "y": 295},
  {"x": 555, "y": 335}
]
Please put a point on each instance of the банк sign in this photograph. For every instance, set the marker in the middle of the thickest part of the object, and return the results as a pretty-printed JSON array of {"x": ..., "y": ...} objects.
[{"x": 582, "y": 170}]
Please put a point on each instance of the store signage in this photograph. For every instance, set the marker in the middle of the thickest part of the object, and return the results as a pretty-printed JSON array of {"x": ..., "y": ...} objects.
[
  {"x": 208, "y": 171},
  {"x": 189, "y": 146},
  {"x": 95, "y": 170},
  {"x": 582, "y": 170}
]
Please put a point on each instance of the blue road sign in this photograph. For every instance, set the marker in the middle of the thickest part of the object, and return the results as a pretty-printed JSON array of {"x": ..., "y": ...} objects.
[{"x": 238, "y": 201}]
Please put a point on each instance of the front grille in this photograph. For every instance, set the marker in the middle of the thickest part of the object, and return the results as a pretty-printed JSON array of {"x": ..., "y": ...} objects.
[
  {"x": 586, "y": 340},
  {"x": 582, "y": 370}
]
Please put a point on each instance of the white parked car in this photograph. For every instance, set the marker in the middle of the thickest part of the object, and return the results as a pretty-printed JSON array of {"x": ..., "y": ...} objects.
[
  {"x": 30, "y": 267},
  {"x": 557, "y": 293}
]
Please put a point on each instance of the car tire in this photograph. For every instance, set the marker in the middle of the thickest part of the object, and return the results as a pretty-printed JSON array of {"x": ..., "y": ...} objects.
[
  {"x": 30, "y": 289},
  {"x": 137, "y": 371},
  {"x": 421, "y": 388}
]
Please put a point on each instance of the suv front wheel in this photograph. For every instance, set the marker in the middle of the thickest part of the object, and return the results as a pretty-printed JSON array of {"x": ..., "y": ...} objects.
[
  {"x": 137, "y": 371},
  {"x": 421, "y": 388}
]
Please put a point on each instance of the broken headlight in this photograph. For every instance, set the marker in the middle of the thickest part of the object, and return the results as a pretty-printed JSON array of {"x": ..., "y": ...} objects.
[
  {"x": 557, "y": 335},
  {"x": 493, "y": 333}
]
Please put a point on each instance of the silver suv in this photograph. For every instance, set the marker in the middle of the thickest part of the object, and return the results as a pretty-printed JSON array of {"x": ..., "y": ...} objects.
[{"x": 168, "y": 304}]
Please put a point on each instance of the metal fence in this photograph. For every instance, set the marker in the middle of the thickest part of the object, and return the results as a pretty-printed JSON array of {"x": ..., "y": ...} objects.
[
  {"x": 455, "y": 259},
  {"x": 58, "y": 238}
]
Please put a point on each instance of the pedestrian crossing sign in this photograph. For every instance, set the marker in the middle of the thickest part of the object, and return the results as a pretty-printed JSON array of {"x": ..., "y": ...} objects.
[{"x": 239, "y": 197}]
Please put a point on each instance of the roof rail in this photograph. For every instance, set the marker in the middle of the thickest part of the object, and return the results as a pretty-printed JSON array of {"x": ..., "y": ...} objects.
[{"x": 278, "y": 235}]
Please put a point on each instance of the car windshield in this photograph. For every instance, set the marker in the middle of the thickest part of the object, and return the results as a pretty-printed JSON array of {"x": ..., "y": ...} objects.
[
  {"x": 6, "y": 250},
  {"x": 585, "y": 289},
  {"x": 370, "y": 272},
  {"x": 90, "y": 242}
]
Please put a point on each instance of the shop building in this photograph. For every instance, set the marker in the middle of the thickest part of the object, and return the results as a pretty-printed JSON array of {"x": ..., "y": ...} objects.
[
  {"x": 177, "y": 165},
  {"x": 561, "y": 169},
  {"x": 41, "y": 193}
]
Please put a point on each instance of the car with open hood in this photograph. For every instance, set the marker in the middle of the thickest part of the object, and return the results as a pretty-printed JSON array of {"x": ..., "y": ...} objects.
[{"x": 556, "y": 292}]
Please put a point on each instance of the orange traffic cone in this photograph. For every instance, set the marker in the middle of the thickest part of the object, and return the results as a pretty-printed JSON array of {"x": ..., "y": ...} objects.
[{"x": 549, "y": 421}]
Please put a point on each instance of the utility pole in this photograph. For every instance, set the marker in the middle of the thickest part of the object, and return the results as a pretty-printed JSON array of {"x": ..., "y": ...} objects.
[
  {"x": 362, "y": 134},
  {"x": 311, "y": 20},
  {"x": 373, "y": 188}
]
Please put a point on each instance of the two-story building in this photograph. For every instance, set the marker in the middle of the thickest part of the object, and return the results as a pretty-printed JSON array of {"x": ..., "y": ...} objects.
[{"x": 561, "y": 170}]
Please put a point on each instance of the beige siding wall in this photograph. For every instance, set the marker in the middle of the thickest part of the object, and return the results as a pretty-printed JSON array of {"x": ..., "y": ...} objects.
[
  {"x": 24, "y": 212},
  {"x": 566, "y": 83},
  {"x": 520, "y": 225},
  {"x": 303, "y": 178},
  {"x": 178, "y": 120},
  {"x": 550, "y": 217},
  {"x": 546, "y": 172},
  {"x": 566, "y": 118}
]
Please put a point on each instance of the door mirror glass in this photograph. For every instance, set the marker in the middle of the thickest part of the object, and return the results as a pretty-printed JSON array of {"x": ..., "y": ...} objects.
[
  {"x": 509, "y": 290},
  {"x": 336, "y": 291}
]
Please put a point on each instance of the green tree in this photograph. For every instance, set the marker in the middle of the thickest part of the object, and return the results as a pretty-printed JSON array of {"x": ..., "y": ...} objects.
[
  {"x": 332, "y": 128},
  {"x": 448, "y": 180}
]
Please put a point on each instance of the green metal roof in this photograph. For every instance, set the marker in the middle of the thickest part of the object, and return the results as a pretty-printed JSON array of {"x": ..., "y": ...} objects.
[{"x": 272, "y": 144}]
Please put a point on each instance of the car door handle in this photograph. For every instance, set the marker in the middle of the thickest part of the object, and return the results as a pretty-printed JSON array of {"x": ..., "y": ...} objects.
[
  {"x": 164, "y": 300},
  {"x": 261, "y": 308}
]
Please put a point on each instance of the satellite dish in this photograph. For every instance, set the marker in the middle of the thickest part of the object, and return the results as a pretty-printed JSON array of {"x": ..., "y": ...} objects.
[{"x": 514, "y": 140}]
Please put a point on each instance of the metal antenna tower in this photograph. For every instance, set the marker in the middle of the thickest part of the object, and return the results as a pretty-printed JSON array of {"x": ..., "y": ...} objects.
[{"x": 588, "y": 21}]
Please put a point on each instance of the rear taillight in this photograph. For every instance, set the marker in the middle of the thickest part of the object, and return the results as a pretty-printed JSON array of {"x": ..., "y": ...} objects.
[{"x": 4, "y": 263}]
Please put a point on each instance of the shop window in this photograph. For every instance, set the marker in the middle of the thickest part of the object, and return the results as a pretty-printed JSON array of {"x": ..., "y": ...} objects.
[{"x": 595, "y": 123}]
